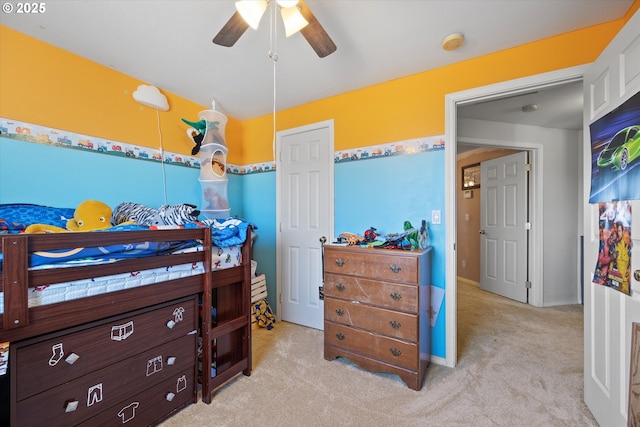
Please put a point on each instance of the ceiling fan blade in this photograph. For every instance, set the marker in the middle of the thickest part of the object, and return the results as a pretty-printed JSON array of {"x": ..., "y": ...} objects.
[
  {"x": 231, "y": 32},
  {"x": 315, "y": 33}
]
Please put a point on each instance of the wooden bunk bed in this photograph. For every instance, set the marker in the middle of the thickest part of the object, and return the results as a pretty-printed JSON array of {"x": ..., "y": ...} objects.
[
  {"x": 226, "y": 336},
  {"x": 66, "y": 359}
]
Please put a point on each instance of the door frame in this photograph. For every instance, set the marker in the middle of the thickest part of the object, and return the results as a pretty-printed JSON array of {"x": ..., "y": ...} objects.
[
  {"x": 329, "y": 124},
  {"x": 483, "y": 93}
]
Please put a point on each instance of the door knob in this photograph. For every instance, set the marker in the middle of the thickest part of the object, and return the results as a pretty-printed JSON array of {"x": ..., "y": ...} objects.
[{"x": 483, "y": 232}]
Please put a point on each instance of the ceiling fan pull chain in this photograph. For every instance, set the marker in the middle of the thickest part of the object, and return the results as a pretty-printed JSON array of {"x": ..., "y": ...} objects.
[{"x": 274, "y": 56}]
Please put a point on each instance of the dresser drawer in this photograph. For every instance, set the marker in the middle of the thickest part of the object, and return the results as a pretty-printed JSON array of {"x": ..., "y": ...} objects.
[
  {"x": 43, "y": 365},
  {"x": 372, "y": 264},
  {"x": 89, "y": 395},
  {"x": 390, "y": 295},
  {"x": 390, "y": 350},
  {"x": 150, "y": 406},
  {"x": 391, "y": 323}
]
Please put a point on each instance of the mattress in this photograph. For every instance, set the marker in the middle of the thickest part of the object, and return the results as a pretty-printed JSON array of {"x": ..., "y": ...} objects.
[{"x": 222, "y": 258}]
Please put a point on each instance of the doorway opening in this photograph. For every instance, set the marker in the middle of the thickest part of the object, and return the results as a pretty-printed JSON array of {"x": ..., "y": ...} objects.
[
  {"x": 536, "y": 238},
  {"x": 491, "y": 222}
]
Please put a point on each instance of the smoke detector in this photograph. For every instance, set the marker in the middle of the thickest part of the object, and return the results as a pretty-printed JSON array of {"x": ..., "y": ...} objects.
[{"x": 453, "y": 41}]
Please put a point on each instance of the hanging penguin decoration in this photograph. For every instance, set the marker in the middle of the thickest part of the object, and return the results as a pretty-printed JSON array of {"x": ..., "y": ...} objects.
[
  {"x": 197, "y": 138},
  {"x": 196, "y": 133}
]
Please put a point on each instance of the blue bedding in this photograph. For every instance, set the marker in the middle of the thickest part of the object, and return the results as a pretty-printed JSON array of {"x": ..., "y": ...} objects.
[
  {"x": 110, "y": 252},
  {"x": 15, "y": 217}
]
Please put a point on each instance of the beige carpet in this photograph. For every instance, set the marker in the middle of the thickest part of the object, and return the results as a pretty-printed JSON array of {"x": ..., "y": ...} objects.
[{"x": 517, "y": 365}]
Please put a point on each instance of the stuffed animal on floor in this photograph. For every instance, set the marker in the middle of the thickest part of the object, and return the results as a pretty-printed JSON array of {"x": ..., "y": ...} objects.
[
  {"x": 89, "y": 215},
  {"x": 129, "y": 212},
  {"x": 263, "y": 314}
]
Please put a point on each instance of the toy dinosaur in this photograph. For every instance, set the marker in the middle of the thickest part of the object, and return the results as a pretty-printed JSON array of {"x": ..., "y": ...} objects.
[
  {"x": 200, "y": 125},
  {"x": 412, "y": 235}
]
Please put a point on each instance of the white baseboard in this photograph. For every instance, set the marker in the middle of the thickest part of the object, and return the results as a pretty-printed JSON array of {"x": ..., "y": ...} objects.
[
  {"x": 439, "y": 360},
  {"x": 469, "y": 281}
]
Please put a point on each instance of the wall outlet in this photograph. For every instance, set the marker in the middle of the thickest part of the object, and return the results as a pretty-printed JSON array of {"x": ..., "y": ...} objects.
[{"x": 464, "y": 263}]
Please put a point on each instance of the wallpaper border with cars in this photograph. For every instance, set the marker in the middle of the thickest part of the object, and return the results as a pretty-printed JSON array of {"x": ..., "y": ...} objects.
[{"x": 29, "y": 132}]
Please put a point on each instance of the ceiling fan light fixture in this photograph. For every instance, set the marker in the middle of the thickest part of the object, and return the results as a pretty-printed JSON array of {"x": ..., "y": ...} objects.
[
  {"x": 251, "y": 11},
  {"x": 293, "y": 20},
  {"x": 287, "y": 3}
]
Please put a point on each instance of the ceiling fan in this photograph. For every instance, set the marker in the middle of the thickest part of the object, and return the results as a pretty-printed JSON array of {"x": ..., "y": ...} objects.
[{"x": 296, "y": 16}]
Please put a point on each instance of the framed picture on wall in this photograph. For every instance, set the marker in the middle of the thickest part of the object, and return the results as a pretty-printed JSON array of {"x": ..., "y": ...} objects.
[{"x": 471, "y": 176}]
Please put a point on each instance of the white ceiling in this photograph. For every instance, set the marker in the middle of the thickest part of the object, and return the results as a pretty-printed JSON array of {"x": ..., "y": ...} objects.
[
  {"x": 555, "y": 107},
  {"x": 167, "y": 43}
]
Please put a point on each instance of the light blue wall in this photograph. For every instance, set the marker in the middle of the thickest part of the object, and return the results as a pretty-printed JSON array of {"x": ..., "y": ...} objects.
[
  {"x": 62, "y": 177},
  {"x": 259, "y": 208},
  {"x": 382, "y": 193},
  {"x": 386, "y": 191}
]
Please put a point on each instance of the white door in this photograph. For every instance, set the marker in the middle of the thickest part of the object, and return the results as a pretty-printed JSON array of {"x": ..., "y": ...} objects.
[
  {"x": 503, "y": 226},
  {"x": 608, "y": 314},
  {"x": 305, "y": 214}
]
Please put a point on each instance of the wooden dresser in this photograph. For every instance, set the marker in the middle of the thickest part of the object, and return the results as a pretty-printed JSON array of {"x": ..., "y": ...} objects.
[
  {"x": 136, "y": 368},
  {"x": 377, "y": 305}
]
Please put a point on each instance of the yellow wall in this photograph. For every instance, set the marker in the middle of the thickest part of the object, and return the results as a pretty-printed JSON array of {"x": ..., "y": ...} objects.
[
  {"x": 634, "y": 7},
  {"x": 45, "y": 85},
  {"x": 42, "y": 84},
  {"x": 413, "y": 106}
]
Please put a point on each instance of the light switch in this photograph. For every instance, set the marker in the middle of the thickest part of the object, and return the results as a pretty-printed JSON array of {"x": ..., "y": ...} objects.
[
  {"x": 466, "y": 217},
  {"x": 435, "y": 217}
]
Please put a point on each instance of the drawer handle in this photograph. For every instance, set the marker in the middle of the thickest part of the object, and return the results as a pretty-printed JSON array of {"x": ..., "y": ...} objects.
[
  {"x": 340, "y": 287},
  {"x": 340, "y": 336},
  {"x": 71, "y": 405},
  {"x": 171, "y": 324},
  {"x": 169, "y": 396},
  {"x": 71, "y": 359},
  {"x": 395, "y": 296},
  {"x": 340, "y": 312},
  {"x": 395, "y": 268},
  {"x": 396, "y": 352},
  {"x": 339, "y": 262},
  {"x": 395, "y": 324}
]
